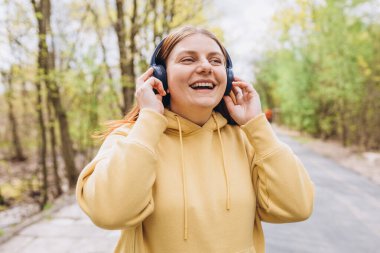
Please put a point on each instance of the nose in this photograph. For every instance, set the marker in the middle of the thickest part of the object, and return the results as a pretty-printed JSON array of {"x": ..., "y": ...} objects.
[{"x": 204, "y": 66}]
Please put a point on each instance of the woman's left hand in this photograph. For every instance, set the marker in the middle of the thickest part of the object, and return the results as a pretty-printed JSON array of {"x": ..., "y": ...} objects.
[{"x": 247, "y": 104}]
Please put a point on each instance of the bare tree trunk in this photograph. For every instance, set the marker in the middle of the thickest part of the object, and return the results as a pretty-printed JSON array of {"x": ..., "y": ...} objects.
[
  {"x": 344, "y": 123},
  {"x": 169, "y": 13},
  {"x": 127, "y": 88},
  {"x": 43, "y": 8},
  {"x": 66, "y": 143},
  {"x": 18, "y": 153},
  {"x": 165, "y": 23},
  {"x": 132, "y": 52},
  {"x": 42, "y": 62},
  {"x": 53, "y": 145},
  {"x": 2, "y": 200},
  {"x": 155, "y": 21},
  {"x": 25, "y": 114}
]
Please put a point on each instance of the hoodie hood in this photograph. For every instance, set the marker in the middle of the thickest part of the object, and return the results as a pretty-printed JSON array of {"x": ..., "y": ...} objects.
[{"x": 215, "y": 122}]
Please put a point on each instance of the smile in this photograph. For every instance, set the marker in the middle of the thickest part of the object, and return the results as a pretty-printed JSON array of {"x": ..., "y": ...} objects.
[{"x": 201, "y": 86}]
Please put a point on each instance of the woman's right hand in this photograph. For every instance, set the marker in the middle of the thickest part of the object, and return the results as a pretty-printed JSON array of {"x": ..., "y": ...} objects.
[{"x": 145, "y": 96}]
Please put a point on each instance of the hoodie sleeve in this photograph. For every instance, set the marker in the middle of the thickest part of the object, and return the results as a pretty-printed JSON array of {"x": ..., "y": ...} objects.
[
  {"x": 284, "y": 190},
  {"x": 115, "y": 188}
]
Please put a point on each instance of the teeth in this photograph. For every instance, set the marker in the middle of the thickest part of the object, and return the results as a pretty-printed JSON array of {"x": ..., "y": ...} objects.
[{"x": 207, "y": 85}]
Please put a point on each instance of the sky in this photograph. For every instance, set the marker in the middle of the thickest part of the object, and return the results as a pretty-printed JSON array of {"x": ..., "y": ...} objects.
[{"x": 245, "y": 24}]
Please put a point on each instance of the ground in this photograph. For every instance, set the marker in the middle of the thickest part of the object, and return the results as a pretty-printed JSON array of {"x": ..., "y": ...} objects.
[{"x": 366, "y": 164}]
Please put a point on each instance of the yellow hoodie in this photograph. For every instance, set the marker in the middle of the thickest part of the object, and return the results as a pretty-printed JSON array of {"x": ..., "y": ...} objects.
[{"x": 172, "y": 186}]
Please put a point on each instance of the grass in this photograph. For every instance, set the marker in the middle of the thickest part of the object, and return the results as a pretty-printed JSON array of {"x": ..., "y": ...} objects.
[
  {"x": 302, "y": 139},
  {"x": 47, "y": 206}
]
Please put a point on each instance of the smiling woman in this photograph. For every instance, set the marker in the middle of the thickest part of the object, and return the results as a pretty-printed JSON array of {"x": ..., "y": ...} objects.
[
  {"x": 196, "y": 77},
  {"x": 182, "y": 174}
]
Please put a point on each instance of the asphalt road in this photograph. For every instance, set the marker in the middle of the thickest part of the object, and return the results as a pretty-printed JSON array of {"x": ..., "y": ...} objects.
[
  {"x": 346, "y": 219},
  {"x": 346, "y": 215}
]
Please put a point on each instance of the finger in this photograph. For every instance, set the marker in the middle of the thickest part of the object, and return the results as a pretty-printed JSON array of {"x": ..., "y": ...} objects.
[
  {"x": 244, "y": 86},
  {"x": 238, "y": 79},
  {"x": 154, "y": 83},
  {"x": 238, "y": 94},
  {"x": 232, "y": 96},
  {"x": 237, "y": 91},
  {"x": 145, "y": 76},
  {"x": 229, "y": 103}
]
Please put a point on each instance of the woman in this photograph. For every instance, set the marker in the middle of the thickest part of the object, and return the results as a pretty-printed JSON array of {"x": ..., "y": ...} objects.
[{"x": 182, "y": 174}]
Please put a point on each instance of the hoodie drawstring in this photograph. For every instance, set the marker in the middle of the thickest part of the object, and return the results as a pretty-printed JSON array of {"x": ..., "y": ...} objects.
[
  {"x": 224, "y": 165},
  {"x": 184, "y": 183},
  {"x": 183, "y": 180}
]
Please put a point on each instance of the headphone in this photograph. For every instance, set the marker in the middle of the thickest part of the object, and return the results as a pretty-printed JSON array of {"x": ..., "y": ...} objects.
[{"x": 159, "y": 70}]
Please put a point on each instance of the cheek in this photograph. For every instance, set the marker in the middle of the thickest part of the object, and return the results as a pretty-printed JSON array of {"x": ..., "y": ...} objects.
[
  {"x": 222, "y": 76},
  {"x": 175, "y": 75}
]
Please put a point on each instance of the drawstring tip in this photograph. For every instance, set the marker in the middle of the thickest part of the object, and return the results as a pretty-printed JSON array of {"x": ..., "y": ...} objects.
[
  {"x": 185, "y": 236},
  {"x": 228, "y": 202},
  {"x": 228, "y": 206}
]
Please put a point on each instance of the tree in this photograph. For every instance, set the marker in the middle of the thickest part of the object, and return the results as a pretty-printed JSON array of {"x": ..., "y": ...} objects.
[
  {"x": 9, "y": 97},
  {"x": 46, "y": 68},
  {"x": 323, "y": 75}
]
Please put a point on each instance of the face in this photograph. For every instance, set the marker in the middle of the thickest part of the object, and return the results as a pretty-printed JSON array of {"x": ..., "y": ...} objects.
[{"x": 196, "y": 74}]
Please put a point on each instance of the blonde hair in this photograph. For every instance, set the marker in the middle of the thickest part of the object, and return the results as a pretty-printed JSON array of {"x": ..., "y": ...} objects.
[{"x": 170, "y": 42}]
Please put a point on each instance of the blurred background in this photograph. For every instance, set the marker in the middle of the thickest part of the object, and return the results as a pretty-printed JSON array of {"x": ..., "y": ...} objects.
[{"x": 66, "y": 67}]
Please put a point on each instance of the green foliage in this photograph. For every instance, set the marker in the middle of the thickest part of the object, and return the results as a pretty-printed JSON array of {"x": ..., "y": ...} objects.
[
  {"x": 13, "y": 190},
  {"x": 324, "y": 77}
]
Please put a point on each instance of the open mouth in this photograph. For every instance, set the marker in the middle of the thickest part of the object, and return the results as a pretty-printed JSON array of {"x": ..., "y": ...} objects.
[{"x": 202, "y": 86}]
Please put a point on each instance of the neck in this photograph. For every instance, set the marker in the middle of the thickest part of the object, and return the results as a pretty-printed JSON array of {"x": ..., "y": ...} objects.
[{"x": 199, "y": 117}]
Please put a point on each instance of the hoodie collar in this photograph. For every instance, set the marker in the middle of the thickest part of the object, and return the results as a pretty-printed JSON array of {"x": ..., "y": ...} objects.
[{"x": 189, "y": 127}]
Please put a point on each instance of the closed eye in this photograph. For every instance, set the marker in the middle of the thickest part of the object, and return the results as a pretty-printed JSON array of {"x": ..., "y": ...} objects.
[
  {"x": 216, "y": 61},
  {"x": 187, "y": 60}
]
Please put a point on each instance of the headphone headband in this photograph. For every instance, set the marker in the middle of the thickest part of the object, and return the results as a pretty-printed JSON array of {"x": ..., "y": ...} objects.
[{"x": 158, "y": 48}]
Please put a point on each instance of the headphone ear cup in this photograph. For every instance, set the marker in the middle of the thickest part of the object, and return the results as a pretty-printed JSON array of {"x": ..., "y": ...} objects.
[
  {"x": 230, "y": 78},
  {"x": 159, "y": 72}
]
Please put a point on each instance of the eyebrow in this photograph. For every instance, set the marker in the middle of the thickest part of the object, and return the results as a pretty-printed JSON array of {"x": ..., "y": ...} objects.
[{"x": 195, "y": 52}]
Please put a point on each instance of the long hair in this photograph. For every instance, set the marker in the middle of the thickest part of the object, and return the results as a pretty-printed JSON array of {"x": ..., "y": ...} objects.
[{"x": 170, "y": 42}]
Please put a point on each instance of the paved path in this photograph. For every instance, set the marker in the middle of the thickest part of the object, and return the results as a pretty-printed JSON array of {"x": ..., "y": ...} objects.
[
  {"x": 68, "y": 230},
  {"x": 346, "y": 219}
]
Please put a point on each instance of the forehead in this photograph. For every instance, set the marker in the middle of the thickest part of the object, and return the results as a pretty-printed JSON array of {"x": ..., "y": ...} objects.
[{"x": 198, "y": 43}]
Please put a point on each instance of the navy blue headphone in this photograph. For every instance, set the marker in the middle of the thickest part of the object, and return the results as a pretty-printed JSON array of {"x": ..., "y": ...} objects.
[{"x": 160, "y": 71}]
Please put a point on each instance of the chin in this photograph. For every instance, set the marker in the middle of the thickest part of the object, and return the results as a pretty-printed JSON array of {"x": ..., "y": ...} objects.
[{"x": 206, "y": 105}]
